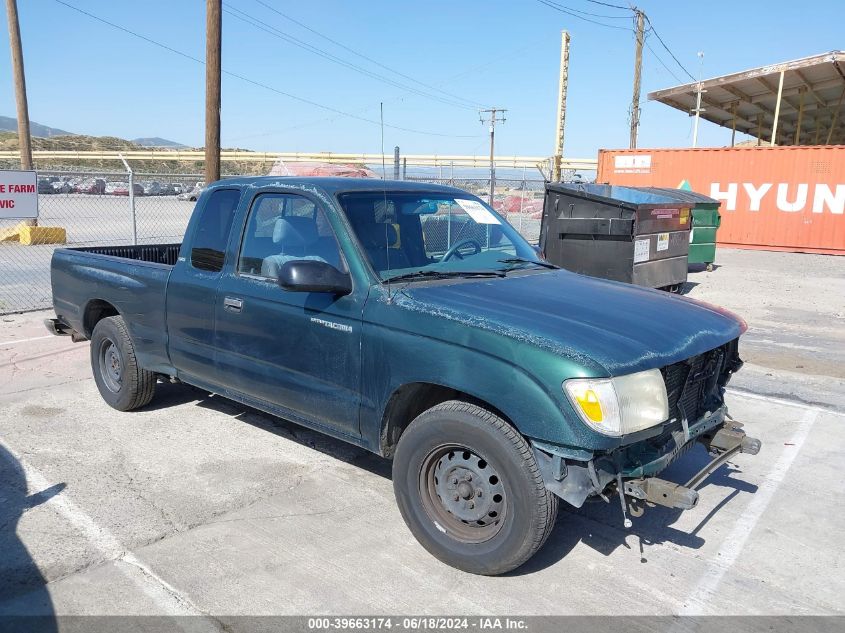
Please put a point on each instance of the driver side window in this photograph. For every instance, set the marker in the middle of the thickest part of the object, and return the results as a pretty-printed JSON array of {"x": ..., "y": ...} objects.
[{"x": 284, "y": 227}]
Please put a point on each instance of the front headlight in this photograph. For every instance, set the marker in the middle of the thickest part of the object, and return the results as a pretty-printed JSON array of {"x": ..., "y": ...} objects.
[{"x": 621, "y": 405}]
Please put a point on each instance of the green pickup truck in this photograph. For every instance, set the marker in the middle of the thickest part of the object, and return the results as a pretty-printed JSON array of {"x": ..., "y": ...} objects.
[{"x": 413, "y": 321}]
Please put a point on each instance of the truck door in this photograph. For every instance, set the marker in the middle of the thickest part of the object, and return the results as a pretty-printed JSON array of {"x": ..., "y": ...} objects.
[
  {"x": 298, "y": 351},
  {"x": 192, "y": 287}
]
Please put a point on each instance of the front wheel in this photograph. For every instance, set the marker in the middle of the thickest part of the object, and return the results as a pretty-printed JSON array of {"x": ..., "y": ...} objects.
[
  {"x": 470, "y": 491},
  {"x": 122, "y": 383}
]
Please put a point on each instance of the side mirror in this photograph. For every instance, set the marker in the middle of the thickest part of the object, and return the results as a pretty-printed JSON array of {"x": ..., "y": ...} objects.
[{"x": 306, "y": 275}]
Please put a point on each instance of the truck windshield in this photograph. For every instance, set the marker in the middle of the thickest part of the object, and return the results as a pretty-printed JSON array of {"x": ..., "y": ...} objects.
[{"x": 404, "y": 233}]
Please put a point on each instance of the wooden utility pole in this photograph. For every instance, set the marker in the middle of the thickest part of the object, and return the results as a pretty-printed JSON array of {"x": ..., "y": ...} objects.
[
  {"x": 493, "y": 115},
  {"x": 561, "y": 104},
  {"x": 213, "y": 27},
  {"x": 638, "y": 71},
  {"x": 24, "y": 139}
]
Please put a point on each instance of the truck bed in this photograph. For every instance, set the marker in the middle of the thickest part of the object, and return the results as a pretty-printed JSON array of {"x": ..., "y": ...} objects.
[
  {"x": 152, "y": 253},
  {"x": 131, "y": 280}
]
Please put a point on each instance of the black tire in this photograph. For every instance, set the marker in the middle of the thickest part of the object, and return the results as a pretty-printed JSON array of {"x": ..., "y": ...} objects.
[
  {"x": 473, "y": 447},
  {"x": 122, "y": 383}
]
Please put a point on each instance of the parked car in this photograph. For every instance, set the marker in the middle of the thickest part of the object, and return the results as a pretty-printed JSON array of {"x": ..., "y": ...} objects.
[
  {"x": 177, "y": 187},
  {"x": 122, "y": 189},
  {"x": 61, "y": 186},
  {"x": 92, "y": 186},
  {"x": 498, "y": 384},
  {"x": 192, "y": 195},
  {"x": 117, "y": 188},
  {"x": 45, "y": 186},
  {"x": 152, "y": 188},
  {"x": 167, "y": 189}
]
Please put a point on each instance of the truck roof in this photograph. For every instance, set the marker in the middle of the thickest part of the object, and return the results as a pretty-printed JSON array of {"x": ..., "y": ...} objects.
[{"x": 336, "y": 184}]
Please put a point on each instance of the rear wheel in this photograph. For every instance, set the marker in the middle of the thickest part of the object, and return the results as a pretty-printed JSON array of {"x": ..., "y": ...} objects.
[
  {"x": 121, "y": 382},
  {"x": 470, "y": 491}
]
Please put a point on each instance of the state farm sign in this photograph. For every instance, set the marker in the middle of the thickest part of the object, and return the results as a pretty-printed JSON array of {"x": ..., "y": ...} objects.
[{"x": 18, "y": 195}]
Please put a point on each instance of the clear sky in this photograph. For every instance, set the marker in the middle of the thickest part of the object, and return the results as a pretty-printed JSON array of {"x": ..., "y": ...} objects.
[{"x": 90, "y": 78}]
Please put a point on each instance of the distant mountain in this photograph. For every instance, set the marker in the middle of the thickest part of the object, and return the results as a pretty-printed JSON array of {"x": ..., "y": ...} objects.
[
  {"x": 35, "y": 129},
  {"x": 10, "y": 124},
  {"x": 157, "y": 141}
]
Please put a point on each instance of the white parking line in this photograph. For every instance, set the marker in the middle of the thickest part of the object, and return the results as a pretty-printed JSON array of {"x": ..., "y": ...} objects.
[
  {"x": 25, "y": 340},
  {"x": 789, "y": 403},
  {"x": 169, "y": 600},
  {"x": 701, "y": 596}
]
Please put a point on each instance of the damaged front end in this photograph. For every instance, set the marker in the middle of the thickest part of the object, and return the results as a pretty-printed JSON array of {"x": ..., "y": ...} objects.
[{"x": 695, "y": 390}]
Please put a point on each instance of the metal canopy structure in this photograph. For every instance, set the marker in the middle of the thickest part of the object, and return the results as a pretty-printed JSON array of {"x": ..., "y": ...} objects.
[{"x": 801, "y": 102}]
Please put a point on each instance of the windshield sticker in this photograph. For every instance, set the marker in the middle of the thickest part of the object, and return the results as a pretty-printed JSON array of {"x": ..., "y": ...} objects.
[
  {"x": 641, "y": 250},
  {"x": 478, "y": 211}
]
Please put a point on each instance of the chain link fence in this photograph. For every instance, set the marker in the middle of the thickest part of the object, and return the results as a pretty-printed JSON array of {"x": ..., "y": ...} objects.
[
  {"x": 96, "y": 209},
  {"x": 520, "y": 201},
  {"x": 93, "y": 209}
]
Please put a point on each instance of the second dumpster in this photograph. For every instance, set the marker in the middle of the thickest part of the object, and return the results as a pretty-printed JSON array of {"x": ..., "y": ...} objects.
[
  {"x": 705, "y": 222},
  {"x": 628, "y": 234}
]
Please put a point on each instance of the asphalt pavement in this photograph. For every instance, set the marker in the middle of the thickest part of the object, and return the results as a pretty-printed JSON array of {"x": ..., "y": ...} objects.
[{"x": 196, "y": 505}]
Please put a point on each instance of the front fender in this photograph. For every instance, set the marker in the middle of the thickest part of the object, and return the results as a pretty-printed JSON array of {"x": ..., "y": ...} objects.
[{"x": 520, "y": 380}]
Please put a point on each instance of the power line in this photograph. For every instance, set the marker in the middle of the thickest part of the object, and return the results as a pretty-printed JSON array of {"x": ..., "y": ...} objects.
[
  {"x": 361, "y": 55},
  {"x": 660, "y": 39},
  {"x": 614, "y": 6},
  {"x": 254, "y": 82},
  {"x": 478, "y": 68},
  {"x": 256, "y": 23},
  {"x": 662, "y": 63},
  {"x": 569, "y": 11},
  {"x": 563, "y": 9},
  {"x": 593, "y": 15}
]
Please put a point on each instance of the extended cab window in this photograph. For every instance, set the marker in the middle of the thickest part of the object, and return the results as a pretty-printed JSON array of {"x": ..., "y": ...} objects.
[
  {"x": 214, "y": 226},
  {"x": 283, "y": 227}
]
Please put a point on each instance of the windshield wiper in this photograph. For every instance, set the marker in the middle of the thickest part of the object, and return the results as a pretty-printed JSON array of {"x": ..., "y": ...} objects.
[
  {"x": 523, "y": 260},
  {"x": 445, "y": 274}
]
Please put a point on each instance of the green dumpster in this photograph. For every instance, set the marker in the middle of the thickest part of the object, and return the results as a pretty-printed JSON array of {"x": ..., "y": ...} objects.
[{"x": 705, "y": 223}]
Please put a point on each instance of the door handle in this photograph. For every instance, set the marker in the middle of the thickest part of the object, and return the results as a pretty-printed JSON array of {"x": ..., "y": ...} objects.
[{"x": 232, "y": 304}]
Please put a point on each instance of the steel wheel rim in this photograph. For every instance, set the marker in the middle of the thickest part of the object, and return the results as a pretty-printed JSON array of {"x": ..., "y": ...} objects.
[
  {"x": 462, "y": 494},
  {"x": 111, "y": 365}
]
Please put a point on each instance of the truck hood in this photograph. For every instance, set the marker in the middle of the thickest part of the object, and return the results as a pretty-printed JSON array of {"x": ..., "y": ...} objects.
[{"x": 620, "y": 327}]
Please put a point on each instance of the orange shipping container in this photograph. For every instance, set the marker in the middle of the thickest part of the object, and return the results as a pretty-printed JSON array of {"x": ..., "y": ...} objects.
[{"x": 779, "y": 198}]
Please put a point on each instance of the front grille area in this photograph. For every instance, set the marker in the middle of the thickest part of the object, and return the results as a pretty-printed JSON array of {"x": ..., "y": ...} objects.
[{"x": 693, "y": 386}]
